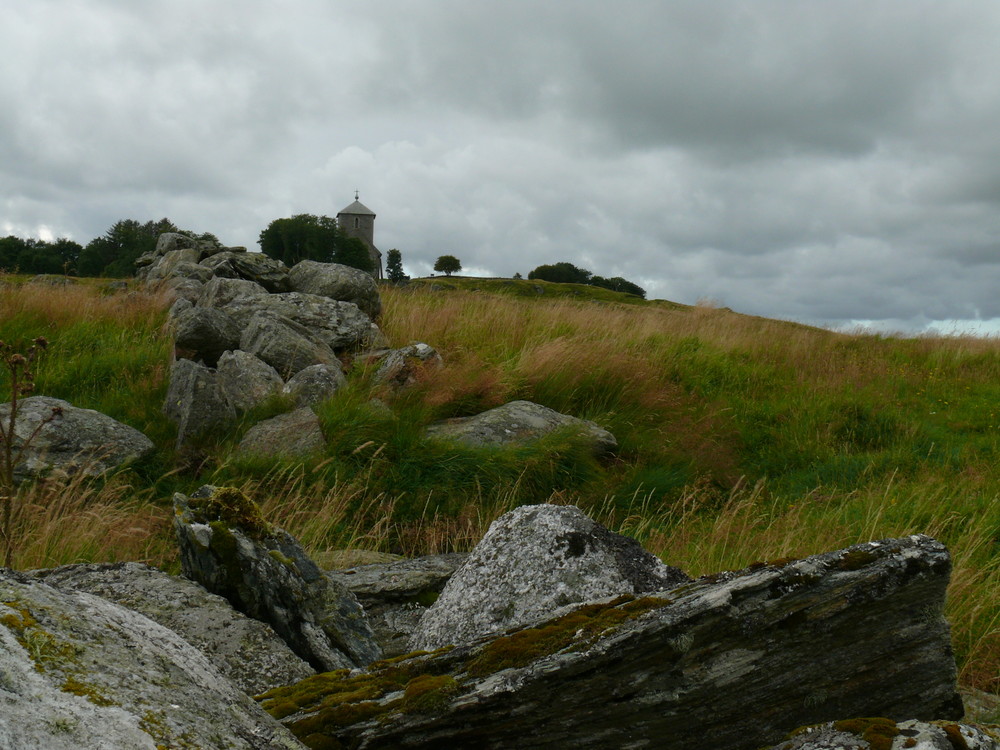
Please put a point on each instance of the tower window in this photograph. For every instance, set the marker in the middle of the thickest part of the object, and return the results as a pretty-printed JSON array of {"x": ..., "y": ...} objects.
[{"x": 357, "y": 222}]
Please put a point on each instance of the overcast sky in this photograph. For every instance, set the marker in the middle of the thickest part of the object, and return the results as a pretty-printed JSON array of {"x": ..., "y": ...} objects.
[{"x": 828, "y": 162}]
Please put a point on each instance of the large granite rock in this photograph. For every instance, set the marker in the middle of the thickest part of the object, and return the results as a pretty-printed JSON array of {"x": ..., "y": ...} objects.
[
  {"x": 338, "y": 282},
  {"x": 227, "y": 547},
  {"x": 205, "y": 333},
  {"x": 246, "y": 651},
  {"x": 341, "y": 325},
  {"x": 532, "y": 561},
  {"x": 315, "y": 383},
  {"x": 732, "y": 662},
  {"x": 195, "y": 400},
  {"x": 518, "y": 422},
  {"x": 78, "y": 671},
  {"x": 284, "y": 344},
  {"x": 269, "y": 272},
  {"x": 220, "y": 292},
  {"x": 399, "y": 368},
  {"x": 296, "y": 433},
  {"x": 246, "y": 380},
  {"x": 69, "y": 440}
]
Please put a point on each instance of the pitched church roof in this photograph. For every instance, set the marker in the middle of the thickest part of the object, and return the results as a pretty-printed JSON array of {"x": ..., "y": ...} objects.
[{"x": 357, "y": 209}]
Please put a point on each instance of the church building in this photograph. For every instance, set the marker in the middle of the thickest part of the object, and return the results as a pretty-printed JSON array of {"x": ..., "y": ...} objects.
[{"x": 357, "y": 220}]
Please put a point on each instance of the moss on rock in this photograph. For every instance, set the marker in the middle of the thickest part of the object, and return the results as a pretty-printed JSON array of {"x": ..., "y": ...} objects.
[{"x": 230, "y": 506}]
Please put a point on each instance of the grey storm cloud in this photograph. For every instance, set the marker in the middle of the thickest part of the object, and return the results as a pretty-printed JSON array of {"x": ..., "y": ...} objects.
[{"x": 826, "y": 162}]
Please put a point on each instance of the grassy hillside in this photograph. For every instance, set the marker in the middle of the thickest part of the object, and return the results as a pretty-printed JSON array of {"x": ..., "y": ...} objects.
[{"x": 740, "y": 438}]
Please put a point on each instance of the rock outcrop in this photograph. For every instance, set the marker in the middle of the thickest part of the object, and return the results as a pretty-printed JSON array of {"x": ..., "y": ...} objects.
[
  {"x": 296, "y": 433},
  {"x": 520, "y": 421},
  {"x": 868, "y": 733},
  {"x": 731, "y": 662},
  {"x": 69, "y": 440},
  {"x": 339, "y": 282},
  {"x": 228, "y": 548},
  {"x": 246, "y": 651},
  {"x": 533, "y": 561},
  {"x": 77, "y": 671}
]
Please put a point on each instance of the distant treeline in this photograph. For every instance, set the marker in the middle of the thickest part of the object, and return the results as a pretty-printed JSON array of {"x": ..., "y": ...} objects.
[
  {"x": 567, "y": 273},
  {"x": 112, "y": 254}
]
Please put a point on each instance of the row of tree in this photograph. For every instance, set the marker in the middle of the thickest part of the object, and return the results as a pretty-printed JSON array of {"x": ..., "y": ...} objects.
[{"x": 567, "y": 273}]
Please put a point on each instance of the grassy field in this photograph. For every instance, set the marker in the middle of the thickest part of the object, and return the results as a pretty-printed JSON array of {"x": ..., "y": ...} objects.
[{"x": 740, "y": 438}]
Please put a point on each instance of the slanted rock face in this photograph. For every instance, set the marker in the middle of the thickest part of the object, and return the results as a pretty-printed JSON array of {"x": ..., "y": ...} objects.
[
  {"x": 81, "y": 672},
  {"x": 220, "y": 292},
  {"x": 731, "y": 662},
  {"x": 337, "y": 282},
  {"x": 341, "y": 325},
  {"x": 246, "y": 651},
  {"x": 70, "y": 440},
  {"x": 531, "y": 562},
  {"x": 518, "y": 422},
  {"x": 228, "y": 548},
  {"x": 866, "y": 733},
  {"x": 401, "y": 367}
]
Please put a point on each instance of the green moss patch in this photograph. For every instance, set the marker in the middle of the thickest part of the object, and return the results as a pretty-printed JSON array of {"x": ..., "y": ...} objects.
[
  {"x": 577, "y": 630},
  {"x": 230, "y": 506},
  {"x": 878, "y": 732}
]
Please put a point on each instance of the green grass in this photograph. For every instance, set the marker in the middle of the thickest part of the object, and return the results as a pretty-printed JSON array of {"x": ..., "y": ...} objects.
[{"x": 740, "y": 438}]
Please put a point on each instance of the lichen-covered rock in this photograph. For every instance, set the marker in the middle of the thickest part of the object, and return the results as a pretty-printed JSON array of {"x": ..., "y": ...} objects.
[
  {"x": 315, "y": 383},
  {"x": 399, "y": 368},
  {"x": 269, "y": 272},
  {"x": 518, "y": 422},
  {"x": 246, "y": 380},
  {"x": 878, "y": 732},
  {"x": 341, "y": 325},
  {"x": 227, "y": 547},
  {"x": 78, "y": 671},
  {"x": 205, "y": 333},
  {"x": 220, "y": 292},
  {"x": 296, "y": 433},
  {"x": 284, "y": 344},
  {"x": 195, "y": 401},
  {"x": 532, "y": 561},
  {"x": 69, "y": 440},
  {"x": 246, "y": 651},
  {"x": 731, "y": 662},
  {"x": 338, "y": 282}
]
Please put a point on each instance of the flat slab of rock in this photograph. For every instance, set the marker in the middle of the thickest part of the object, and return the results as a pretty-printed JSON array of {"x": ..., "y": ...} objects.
[
  {"x": 338, "y": 282},
  {"x": 532, "y": 561},
  {"x": 519, "y": 422},
  {"x": 244, "y": 650},
  {"x": 78, "y": 671},
  {"x": 71, "y": 440},
  {"x": 731, "y": 662}
]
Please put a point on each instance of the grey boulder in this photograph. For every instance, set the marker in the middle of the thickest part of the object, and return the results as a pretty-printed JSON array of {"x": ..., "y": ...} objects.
[
  {"x": 247, "y": 381},
  {"x": 246, "y": 651},
  {"x": 519, "y": 422},
  {"x": 79, "y": 671},
  {"x": 205, "y": 333},
  {"x": 195, "y": 400},
  {"x": 284, "y": 344},
  {"x": 69, "y": 440},
  {"x": 269, "y": 272},
  {"x": 338, "y": 282},
  {"x": 532, "y": 561},
  {"x": 297, "y": 433},
  {"x": 399, "y": 368},
  {"x": 341, "y": 325},
  {"x": 220, "y": 292},
  {"x": 227, "y": 547},
  {"x": 315, "y": 383}
]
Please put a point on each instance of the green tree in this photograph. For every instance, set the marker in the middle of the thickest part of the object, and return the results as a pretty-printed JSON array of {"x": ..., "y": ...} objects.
[
  {"x": 447, "y": 264},
  {"x": 115, "y": 252},
  {"x": 618, "y": 284},
  {"x": 309, "y": 237},
  {"x": 394, "y": 266},
  {"x": 562, "y": 273}
]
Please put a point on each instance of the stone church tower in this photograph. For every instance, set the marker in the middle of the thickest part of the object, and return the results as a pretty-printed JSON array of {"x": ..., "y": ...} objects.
[{"x": 357, "y": 220}]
